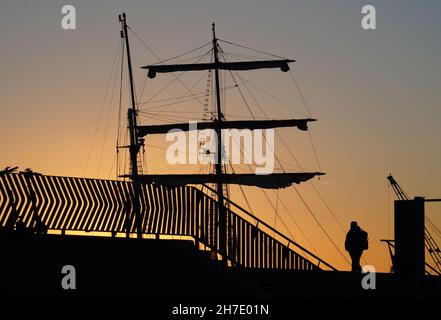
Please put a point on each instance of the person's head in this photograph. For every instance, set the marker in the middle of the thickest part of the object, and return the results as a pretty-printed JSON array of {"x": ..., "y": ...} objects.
[{"x": 354, "y": 224}]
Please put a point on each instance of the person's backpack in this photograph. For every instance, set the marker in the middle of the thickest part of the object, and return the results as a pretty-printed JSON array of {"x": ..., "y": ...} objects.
[{"x": 364, "y": 240}]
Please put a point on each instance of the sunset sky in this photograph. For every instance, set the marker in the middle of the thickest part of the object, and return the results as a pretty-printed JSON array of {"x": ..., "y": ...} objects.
[{"x": 376, "y": 95}]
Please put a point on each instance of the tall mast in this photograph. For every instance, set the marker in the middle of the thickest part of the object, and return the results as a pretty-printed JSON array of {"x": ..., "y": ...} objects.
[
  {"x": 219, "y": 186},
  {"x": 134, "y": 146}
]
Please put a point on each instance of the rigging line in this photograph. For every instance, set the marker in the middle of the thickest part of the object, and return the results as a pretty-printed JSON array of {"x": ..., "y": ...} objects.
[
  {"x": 243, "y": 195},
  {"x": 328, "y": 207},
  {"x": 241, "y": 188},
  {"x": 192, "y": 58},
  {"x": 177, "y": 78},
  {"x": 118, "y": 134},
  {"x": 300, "y": 92},
  {"x": 309, "y": 112},
  {"x": 201, "y": 169},
  {"x": 283, "y": 205},
  {"x": 180, "y": 99},
  {"x": 121, "y": 93},
  {"x": 437, "y": 231},
  {"x": 241, "y": 116},
  {"x": 126, "y": 153},
  {"x": 246, "y": 103},
  {"x": 281, "y": 220},
  {"x": 162, "y": 119},
  {"x": 200, "y": 94},
  {"x": 107, "y": 124},
  {"x": 171, "y": 99},
  {"x": 289, "y": 151},
  {"x": 275, "y": 215},
  {"x": 164, "y": 106},
  {"x": 141, "y": 90},
  {"x": 169, "y": 116},
  {"x": 283, "y": 168},
  {"x": 277, "y": 99},
  {"x": 156, "y": 158},
  {"x": 255, "y": 50},
  {"x": 103, "y": 104},
  {"x": 287, "y": 211},
  {"x": 248, "y": 107},
  {"x": 252, "y": 114},
  {"x": 180, "y": 55},
  {"x": 241, "y": 56},
  {"x": 283, "y": 171},
  {"x": 157, "y": 57},
  {"x": 261, "y": 109},
  {"x": 314, "y": 149},
  {"x": 321, "y": 227},
  {"x": 174, "y": 111},
  {"x": 109, "y": 175},
  {"x": 313, "y": 186},
  {"x": 163, "y": 148},
  {"x": 165, "y": 169}
]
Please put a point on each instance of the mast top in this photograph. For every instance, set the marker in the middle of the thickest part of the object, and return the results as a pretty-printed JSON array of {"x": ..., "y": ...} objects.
[
  {"x": 213, "y": 28},
  {"x": 122, "y": 17}
]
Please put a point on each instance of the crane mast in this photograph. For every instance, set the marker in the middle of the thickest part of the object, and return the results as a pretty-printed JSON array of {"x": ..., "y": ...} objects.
[{"x": 429, "y": 242}]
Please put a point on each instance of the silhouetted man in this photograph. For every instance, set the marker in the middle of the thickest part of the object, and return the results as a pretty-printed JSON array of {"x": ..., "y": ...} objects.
[{"x": 356, "y": 241}]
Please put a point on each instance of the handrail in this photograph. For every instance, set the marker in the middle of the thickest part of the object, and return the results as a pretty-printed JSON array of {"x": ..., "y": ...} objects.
[{"x": 275, "y": 231}]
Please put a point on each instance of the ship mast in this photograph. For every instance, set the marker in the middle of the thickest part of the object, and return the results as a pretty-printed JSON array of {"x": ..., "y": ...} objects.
[
  {"x": 134, "y": 146},
  {"x": 219, "y": 148},
  {"x": 134, "y": 142}
]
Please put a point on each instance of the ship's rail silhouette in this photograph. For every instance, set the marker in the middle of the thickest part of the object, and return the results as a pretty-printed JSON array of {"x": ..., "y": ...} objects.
[{"x": 40, "y": 203}]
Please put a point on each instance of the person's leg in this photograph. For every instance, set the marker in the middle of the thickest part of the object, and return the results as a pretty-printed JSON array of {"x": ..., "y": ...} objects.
[
  {"x": 357, "y": 257},
  {"x": 354, "y": 261}
]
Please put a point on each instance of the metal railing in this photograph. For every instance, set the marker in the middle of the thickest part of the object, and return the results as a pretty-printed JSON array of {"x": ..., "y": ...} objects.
[{"x": 41, "y": 203}]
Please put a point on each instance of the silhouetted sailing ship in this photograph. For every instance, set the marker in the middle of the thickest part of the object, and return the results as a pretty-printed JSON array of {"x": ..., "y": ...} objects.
[
  {"x": 38, "y": 213},
  {"x": 219, "y": 178}
]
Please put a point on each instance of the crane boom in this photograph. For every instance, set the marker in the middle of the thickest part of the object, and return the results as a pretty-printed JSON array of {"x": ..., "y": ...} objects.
[
  {"x": 429, "y": 242},
  {"x": 401, "y": 195}
]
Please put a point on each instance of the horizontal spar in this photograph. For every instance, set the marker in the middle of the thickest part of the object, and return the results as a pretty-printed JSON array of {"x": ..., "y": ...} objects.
[
  {"x": 270, "y": 181},
  {"x": 301, "y": 124},
  {"x": 241, "y": 65}
]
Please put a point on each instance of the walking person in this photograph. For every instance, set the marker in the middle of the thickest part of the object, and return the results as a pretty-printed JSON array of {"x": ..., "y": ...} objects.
[{"x": 356, "y": 241}]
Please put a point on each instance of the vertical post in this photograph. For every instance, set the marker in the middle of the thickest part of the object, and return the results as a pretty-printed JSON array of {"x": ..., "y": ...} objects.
[
  {"x": 409, "y": 238},
  {"x": 134, "y": 145},
  {"x": 219, "y": 184}
]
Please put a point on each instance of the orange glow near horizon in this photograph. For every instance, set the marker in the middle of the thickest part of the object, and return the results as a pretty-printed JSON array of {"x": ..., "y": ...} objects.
[{"x": 375, "y": 94}]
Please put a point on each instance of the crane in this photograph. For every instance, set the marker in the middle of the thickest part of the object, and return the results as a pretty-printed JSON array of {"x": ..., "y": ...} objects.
[{"x": 429, "y": 242}]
